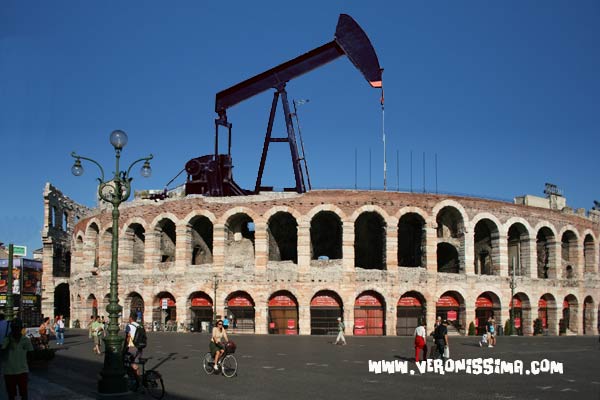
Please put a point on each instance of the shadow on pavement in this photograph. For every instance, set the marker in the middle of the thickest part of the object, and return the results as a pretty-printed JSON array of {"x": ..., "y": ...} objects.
[{"x": 81, "y": 376}]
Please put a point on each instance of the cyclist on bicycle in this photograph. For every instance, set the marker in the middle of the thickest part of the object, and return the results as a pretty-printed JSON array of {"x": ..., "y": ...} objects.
[
  {"x": 132, "y": 353},
  {"x": 219, "y": 335}
]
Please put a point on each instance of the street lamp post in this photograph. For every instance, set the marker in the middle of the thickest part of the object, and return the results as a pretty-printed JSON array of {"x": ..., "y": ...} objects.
[
  {"x": 513, "y": 285},
  {"x": 114, "y": 191}
]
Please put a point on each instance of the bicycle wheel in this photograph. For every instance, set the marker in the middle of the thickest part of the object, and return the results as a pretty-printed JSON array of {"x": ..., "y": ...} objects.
[
  {"x": 154, "y": 385},
  {"x": 208, "y": 364},
  {"x": 229, "y": 366}
]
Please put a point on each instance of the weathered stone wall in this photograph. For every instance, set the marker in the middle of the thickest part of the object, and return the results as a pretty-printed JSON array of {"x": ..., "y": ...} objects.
[{"x": 240, "y": 255}]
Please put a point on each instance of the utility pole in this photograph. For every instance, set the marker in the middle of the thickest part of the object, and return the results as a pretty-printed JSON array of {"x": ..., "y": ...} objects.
[
  {"x": 513, "y": 285},
  {"x": 9, "y": 307}
]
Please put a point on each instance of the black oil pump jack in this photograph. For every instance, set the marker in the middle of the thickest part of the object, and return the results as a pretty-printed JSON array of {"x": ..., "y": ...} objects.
[{"x": 212, "y": 174}]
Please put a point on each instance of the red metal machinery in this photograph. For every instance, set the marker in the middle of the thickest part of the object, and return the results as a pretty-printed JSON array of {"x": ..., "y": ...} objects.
[{"x": 212, "y": 174}]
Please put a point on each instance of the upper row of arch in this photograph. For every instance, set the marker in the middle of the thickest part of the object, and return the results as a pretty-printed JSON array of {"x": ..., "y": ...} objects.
[{"x": 430, "y": 220}]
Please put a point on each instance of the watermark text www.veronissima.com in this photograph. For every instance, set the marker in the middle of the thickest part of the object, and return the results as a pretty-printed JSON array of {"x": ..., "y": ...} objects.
[{"x": 473, "y": 366}]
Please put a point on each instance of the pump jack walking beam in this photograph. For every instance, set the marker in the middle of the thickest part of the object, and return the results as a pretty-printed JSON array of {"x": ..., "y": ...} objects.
[{"x": 349, "y": 40}]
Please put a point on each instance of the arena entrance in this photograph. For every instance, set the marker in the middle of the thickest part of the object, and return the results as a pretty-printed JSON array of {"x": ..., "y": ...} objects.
[
  {"x": 135, "y": 304},
  {"x": 410, "y": 308},
  {"x": 369, "y": 314},
  {"x": 283, "y": 314},
  {"x": 164, "y": 312},
  {"x": 487, "y": 305},
  {"x": 522, "y": 314},
  {"x": 451, "y": 307},
  {"x": 201, "y": 311},
  {"x": 240, "y": 308},
  {"x": 62, "y": 301},
  {"x": 547, "y": 314},
  {"x": 325, "y": 308},
  {"x": 588, "y": 315}
]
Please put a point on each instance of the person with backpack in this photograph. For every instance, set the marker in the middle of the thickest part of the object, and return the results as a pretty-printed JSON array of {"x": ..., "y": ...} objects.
[
  {"x": 16, "y": 369},
  {"x": 135, "y": 342}
]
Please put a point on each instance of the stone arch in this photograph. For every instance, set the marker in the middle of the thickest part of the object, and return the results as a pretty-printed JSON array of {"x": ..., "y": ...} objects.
[
  {"x": 547, "y": 314},
  {"x": 326, "y": 306},
  {"x": 451, "y": 306},
  {"x": 325, "y": 207},
  {"x": 411, "y": 307},
  {"x": 370, "y": 240},
  {"x": 200, "y": 310},
  {"x": 369, "y": 314},
  {"x": 283, "y": 313},
  {"x": 518, "y": 242},
  {"x": 240, "y": 210},
  {"x": 368, "y": 208},
  {"x": 411, "y": 240},
  {"x": 134, "y": 241},
  {"x": 282, "y": 237},
  {"x": 569, "y": 253},
  {"x": 522, "y": 315},
  {"x": 487, "y": 247},
  {"x": 487, "y": 305},
  {"x": 62, "y": 301},
  {"x": 240, "y": 305},
  {"x": 92, "y": 244},
  {"x": 546, "y": 251},
  {"x": 164, "y": 309},
  {"x": 92, "y": 305},
  {"x": 199, "y": 213},
  {"x": 201, "y": 240},
  {"x": 588, "y": 316},
  {"x": 570, "y": 315},
  {"x": 239, "y": 244},
  {"x": 589, "y": 253},
  {"x": 447, "y": 258},
  {"x": 166, "y": 231},
  {"x": 105, "y": 253},
  {"x": 326, "y": 235},
  {"x": 134, "y": 305}
]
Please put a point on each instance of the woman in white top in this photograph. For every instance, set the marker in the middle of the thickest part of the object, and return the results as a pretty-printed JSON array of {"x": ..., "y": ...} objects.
[
  {"x": 420, "y": 341},
  {"x": 219, "y": 335}
]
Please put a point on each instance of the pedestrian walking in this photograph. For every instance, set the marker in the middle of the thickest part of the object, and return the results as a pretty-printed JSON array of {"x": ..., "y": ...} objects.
[
  {"x": 420, "y": 341},
  {"x": 433, "y": 349},
  {"x": 97, "y": 331},
  {"x": 59, "y": 328},
  {"x": 441, "y": 341},
  {"x": 491, "y": 331},
  {"x": 44, "y": 331},
  {"x": 15, "y": 366},
  {"x": 341, "y": 329}
]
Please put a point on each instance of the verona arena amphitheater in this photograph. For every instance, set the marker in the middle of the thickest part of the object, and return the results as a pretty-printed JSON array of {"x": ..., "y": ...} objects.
[{"x": 287, "y": 263}]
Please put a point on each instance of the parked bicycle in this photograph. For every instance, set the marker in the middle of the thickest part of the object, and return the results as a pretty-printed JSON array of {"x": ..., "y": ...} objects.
[
  {"x": 228, "y": 364},
  {"x": 150, "y": 380}
]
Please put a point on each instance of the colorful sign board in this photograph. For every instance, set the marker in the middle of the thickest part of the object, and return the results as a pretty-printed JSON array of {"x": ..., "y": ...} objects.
[
  {"x": 240, "y": 300},
  {"x": 201, "y": 301},
  {"x": 31, "y": 271},
  {"x": 447, "y": 301},
  {"x": 451, "y": 315},
  {"x": 483, "y": 302},
  {"x": 409, "y": 301},
  {"x": 325, "y": 300},
  {"x": 368, "y": 300},
  {"x": 282, "y": 301}
]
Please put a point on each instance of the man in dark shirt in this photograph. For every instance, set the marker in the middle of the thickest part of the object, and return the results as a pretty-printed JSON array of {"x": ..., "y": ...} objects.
[{"x": 441, "y": 338}]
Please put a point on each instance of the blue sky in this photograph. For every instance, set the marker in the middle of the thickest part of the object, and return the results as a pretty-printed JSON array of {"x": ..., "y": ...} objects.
[{"x": 507, "y": 94}]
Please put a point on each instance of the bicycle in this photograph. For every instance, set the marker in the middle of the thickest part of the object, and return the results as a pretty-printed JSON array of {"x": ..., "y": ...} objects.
[
  {"x": 151, "y": 380},
  {"x": 227, "y": 363}
]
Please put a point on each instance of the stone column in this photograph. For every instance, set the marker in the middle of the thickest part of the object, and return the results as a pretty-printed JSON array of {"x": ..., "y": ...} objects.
[
  {"x": 467, "y": 254},
  {"x": 430, "y": 249},
  {"x": 390, "y": 319},
  {"x": 304, "y": 319},
  {"x": 554, "y": 260},
  {"x": 261, "y": 247},
  {"x": 391, "y": 246},
  {"x": 503, "y": 253},
  {"x": 219, "y": 238},
  {"x": 430, "y": 314},
  {"x": 182, "y": 309},
  {"x": 304, "y": 249},
  {"x": 152, "y": 250},
  {"x": 183, "y": 247},
  {"x": 530, "y": 249},
  {"x": 348, "y": 317},
  {"x": 260, "y": 319},
  {"x": 348, "y": 247}
]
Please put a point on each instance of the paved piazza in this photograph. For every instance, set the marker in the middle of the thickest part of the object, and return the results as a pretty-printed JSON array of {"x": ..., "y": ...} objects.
[{"x": 311, "y": 367}]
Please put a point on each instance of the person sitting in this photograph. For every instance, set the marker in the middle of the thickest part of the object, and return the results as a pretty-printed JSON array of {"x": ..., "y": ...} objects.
[{"x": 219, "y": 336}]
